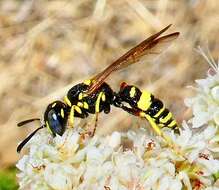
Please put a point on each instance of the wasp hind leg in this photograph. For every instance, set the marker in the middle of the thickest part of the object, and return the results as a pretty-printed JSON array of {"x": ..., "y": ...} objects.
[
  {"x": 151, "y": 121},
  {"x": 157, "y": 129}
]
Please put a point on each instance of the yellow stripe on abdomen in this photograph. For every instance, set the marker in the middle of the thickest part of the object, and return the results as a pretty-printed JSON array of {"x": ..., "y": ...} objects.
[
  {"x": 172, "y": 124},
  {"x": 166, "y": 118},
  {"x": 145, "y": 101}
]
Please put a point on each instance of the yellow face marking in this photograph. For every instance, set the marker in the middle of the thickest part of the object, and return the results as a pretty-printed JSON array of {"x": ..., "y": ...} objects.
[
  {"x": 87, "y": 82},
  {"x": 48, "y": 128},
  {"x": 132, "y": 92},
  {"x": 172, "y": 123},
  {"x": 67, "y": 101},
  {"x": 53, "y": 105},
  {"x": 80, "y": 104},
  {"x": 160, "y": 111},
  {"x": 78, "y": 109},
  {"x": 144, "y": 101},
  {"x": 97, "y": 105},
  {"x": 62, "y": 113},
  {"x": 71, "y": 118},
  {"x": 167, "y": 118},
  {"x": 80, "y": 96},
  {"x": 86, "y": 106},
  {"x": 103, "y": 97}
]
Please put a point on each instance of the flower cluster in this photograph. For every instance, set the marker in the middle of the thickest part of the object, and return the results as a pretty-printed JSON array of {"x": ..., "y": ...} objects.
[
  {"x": 120, "y": 161},
  {"x": 205, "y": 105},
  {"x": 133, "y": 160}
]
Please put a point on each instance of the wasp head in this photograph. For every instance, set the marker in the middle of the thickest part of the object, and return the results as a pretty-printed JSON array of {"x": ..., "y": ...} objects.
[{"x": 56, "y": 117}]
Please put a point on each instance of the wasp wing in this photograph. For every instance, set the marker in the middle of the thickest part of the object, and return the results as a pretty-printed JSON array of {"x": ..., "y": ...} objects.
[{"x": 146, "y": 50}]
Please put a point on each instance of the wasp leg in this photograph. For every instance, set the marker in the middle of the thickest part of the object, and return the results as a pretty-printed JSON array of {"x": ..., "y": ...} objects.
[
  {"x": 95, "y": 125},
  {"x": 151, "y": 120},
  {"x": 132, "y": 111},
  {"x": 97, "y": 104},
  {"x": 97, "y": 110},
  {"x": 72, "y": 113},
  {"x": 157, "y": 129}
]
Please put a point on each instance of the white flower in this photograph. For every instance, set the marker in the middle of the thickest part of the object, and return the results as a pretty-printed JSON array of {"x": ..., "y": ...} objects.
[
  {"x": 59, "y": 176},
  {"x": 71, "y": 162},
  {"x": 205, "y": 105}
]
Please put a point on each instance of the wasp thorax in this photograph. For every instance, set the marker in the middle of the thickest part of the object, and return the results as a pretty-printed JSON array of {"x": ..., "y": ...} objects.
[{"x": 56, "y": 117}]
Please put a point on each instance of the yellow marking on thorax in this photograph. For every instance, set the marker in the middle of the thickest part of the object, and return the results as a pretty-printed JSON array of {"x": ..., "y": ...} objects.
[
  {"x": 144, "y": 101},
  {"x": 87, "y": 82},
  {"x": 53, "y": 105},
  {"x": 80, "y": 96},
  {"x": 86, "y": 106},
  {"x": 97, "y": 105},
  {"x": 78, "y": 109},
  {"x": 67, "y": 101},
  {"x": 48, "y": 128},
  {"x": 80, "y": 104},
  {"x": 132, "y": 92},
  {"x": 103, "y": 97},
  {"x": 167, "y": 118},
  {"x": 62, "y": 113}
]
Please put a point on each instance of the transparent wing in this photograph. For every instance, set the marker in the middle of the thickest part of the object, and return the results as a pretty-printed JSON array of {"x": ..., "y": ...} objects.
[{"x": 146, "y": 50}]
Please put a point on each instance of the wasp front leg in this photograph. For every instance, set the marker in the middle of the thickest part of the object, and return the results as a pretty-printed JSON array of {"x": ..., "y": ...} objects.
[
  {"x": 76, "y": 111},
  {"x": 71, "y": 118}
]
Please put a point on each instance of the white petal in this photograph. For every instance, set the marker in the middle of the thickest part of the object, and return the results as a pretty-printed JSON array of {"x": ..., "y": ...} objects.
[
  {"x": 164, "y": 183},
  {"x": 184, "y": 177},
  {"x": 115, "y": 140},
  {"x": 216, "y": 117},
  {"x": 57, "y": 177},
  {"x": 215, "y": 93}
]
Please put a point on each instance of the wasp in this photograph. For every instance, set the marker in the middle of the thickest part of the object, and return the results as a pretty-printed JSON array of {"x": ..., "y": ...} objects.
[{"x": 95, "y": 95}]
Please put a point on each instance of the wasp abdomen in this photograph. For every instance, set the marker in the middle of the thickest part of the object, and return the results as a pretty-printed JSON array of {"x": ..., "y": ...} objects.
[{"x": 144, "y": 101}]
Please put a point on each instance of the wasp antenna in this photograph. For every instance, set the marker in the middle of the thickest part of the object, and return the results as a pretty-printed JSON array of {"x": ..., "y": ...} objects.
[
  {"x": 27, "y": 121},
  {"x": 21, "y": 145}
]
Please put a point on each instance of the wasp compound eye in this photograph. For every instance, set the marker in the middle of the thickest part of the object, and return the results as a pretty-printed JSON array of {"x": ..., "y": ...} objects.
[{"x": 56, "y": 117}]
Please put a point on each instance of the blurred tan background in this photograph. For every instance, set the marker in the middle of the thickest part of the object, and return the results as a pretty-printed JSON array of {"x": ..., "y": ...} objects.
[{"x": 48, "y": 46}]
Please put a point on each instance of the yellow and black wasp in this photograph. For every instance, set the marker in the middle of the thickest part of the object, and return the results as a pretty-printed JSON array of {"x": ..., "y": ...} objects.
[{"x": 95, "y": 95}]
